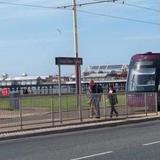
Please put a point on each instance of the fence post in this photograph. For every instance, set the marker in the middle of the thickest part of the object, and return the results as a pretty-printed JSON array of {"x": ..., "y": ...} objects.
[
  {"x": 20, "y": 110},
  {"x": 52, "y": 111},
  {"x": 145, "y": 102},
  {"x": 80, "y": 107},
  {"x": 60, "y": 109},
  {"x": 104, "y": 103},
  {"x": 60, "y": 95},
  {"x": 156, "y": 103},
  {"x": 126, "y": 105}
]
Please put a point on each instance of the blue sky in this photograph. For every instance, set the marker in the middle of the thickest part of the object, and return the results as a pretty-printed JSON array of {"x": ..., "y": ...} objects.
[{"x": 31, "y": 38}]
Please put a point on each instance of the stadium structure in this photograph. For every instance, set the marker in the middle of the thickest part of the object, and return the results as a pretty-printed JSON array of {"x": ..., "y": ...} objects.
[{"x": 103, "y": 74}]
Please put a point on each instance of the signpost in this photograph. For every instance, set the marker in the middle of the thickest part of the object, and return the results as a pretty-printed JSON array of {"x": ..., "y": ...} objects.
[{"x": 69, "y": 61}]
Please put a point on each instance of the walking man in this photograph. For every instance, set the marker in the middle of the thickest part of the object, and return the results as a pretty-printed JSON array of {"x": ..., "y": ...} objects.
[{"x": 113, "y": 100}]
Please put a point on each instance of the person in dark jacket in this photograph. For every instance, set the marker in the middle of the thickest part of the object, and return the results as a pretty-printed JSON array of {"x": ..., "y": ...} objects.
[
  {"x": 96, "y": 92},
  {"x": 112, "y": 100}
]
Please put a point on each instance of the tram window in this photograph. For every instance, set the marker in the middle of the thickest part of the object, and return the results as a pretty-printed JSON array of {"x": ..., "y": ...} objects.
[
  {"x": 141, "y": 80},
  {"x": 151, "y": 80}
]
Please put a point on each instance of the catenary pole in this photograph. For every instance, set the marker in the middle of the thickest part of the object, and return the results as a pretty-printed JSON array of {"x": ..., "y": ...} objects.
[{"x": 77, "y": 66}]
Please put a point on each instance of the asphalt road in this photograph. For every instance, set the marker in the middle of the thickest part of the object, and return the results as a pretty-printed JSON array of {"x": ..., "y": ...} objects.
[{"x": 128, "y": 142}]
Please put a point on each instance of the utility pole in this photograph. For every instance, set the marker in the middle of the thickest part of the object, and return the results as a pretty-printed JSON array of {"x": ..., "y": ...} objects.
[
  {"x": 77, "y": 66},
  {"x": 75, "y": 28}
]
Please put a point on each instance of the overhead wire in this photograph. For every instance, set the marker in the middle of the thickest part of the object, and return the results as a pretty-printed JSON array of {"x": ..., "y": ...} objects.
[
  {"x": 29, "y": 5},
  {"x": 123, "y": 18},
  {"x": 141, "y": 7},
  {"x": 117, "y": 17},
  {"x": 88, "y": 3},
  {"x": 56, "y": 7},
  {"x": 134, "y": 5},
  {"x": 68, "y": 7},
  {"x": 80, "y": 5}
]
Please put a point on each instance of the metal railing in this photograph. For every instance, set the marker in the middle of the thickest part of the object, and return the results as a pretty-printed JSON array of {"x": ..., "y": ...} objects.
[{"x": 38, "y": 111}]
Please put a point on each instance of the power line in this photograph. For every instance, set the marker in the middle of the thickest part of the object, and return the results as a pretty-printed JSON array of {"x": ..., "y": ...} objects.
[
  {"x": 134, "y": 5},
  {"x": 141, "y": 7},
  {"x": 82, "y": 11},
  {"x": 88, "y": 3},
  {"x": 55, "y": 7},
  {"x": 80, "y": 5},
  {"x": 118, "y": 17},
  {"x": 29, "y": 5}
]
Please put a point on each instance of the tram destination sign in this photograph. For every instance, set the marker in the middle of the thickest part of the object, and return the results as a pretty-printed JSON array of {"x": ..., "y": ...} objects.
[{"x": 68, "y": 61}]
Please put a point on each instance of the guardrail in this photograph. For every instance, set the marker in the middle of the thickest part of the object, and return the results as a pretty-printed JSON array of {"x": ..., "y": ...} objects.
[{"x": 38, "y": 111}]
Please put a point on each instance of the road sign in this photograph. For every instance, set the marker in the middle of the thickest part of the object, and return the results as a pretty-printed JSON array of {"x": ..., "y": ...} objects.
[{"x": 68, "y": 61}]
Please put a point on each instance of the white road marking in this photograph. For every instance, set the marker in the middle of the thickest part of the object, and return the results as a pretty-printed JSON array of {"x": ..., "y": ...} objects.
[
  {"x": 93, "y": 155},
  {"x": 147, "y": 144}
]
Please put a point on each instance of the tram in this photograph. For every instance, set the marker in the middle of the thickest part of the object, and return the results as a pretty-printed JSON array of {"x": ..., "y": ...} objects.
[{"x": 143, "y": 80}]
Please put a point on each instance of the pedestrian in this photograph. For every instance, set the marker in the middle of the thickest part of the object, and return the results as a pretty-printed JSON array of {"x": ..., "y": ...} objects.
[
  {"x": 91, "y": 101},
  {"x": 96, "y": 91},
  {"x": 112, "y": 96}
]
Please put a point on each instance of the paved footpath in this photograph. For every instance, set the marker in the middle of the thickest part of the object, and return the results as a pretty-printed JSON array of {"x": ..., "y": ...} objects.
[{"x": 77, "y": 125}]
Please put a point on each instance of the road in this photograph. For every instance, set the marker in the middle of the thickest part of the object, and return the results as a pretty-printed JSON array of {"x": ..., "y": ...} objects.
[{"x": 128, "y": 142}]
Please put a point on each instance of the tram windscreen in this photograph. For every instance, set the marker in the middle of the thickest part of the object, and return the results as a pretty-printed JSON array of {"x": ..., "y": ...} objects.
[{"x": 142, "y": 76}]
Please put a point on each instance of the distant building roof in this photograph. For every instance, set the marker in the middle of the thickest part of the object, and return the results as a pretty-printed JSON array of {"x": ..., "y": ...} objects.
[
  {"x": 24, "y": 78},
  {"x": 105, "y": 68},
  {"x": 94, "y": 75}
]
